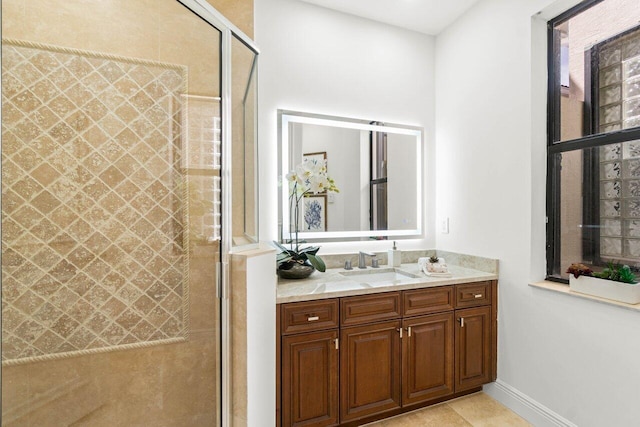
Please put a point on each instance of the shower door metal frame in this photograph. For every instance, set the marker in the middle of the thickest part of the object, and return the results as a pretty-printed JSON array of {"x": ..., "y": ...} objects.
[{"x": 207, "y": 12}]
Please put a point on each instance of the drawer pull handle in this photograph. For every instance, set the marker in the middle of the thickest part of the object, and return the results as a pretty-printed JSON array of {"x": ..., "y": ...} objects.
[
  {"x": 478, "y": 296},
  {"x": 313, "y": 318},
  {"x": 461, "y": 320}
]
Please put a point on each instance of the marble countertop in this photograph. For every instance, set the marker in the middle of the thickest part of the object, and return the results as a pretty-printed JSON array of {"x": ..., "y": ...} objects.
[{"x": 332, "y": 284}]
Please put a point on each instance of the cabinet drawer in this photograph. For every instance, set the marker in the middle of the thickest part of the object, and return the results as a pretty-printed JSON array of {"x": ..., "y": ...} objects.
[
  {"x": 309, "y": 316},
  {"x": 425, "y": 301},
  {"x": 473, "y": 294},
  {"x": 369, "y": 308}
]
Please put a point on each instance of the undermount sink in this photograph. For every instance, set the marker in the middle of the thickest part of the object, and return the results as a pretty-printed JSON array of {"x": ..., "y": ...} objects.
[{"x": 374, "y": 275}]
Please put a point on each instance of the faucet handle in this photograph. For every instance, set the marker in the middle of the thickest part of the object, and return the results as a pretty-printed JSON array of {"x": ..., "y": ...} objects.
[
  {"x": 347, "y": 265},
  {"x": 374, "y": 262}
]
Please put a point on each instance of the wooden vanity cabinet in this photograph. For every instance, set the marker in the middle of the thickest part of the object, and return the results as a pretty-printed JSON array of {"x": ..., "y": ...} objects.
[
  {"x": 475, "y": 334},
  {"x": 354, "y": 359},
  {"x": 370, "y": 359},
  {"x": 309, "y": 363},
  {"x": 427, "y": 345}
]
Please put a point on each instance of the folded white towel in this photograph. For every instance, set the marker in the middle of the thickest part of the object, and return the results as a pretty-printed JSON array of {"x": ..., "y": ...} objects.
[
  {"x": 438, "y": 274},
  {"x": 434, "y": 268}
]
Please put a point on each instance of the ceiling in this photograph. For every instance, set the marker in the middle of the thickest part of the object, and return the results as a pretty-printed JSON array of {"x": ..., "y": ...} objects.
[{"x": 425, "y": 16}]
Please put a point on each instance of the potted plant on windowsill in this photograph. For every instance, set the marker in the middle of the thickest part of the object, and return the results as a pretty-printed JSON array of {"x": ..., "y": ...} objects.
[
  {"x": 616, "y": 282},
  {"x": 296, "y": 262}
]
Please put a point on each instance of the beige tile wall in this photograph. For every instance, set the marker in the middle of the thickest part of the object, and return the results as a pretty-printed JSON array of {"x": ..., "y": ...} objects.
[
  {"x": 239, "y": 12},
  {"x": 93, "y": 239}
]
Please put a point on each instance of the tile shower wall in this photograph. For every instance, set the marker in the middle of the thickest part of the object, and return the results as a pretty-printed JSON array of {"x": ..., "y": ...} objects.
[
  {"x": 619, "y": 102},
  {"x": 161, "y": 385},
  {"x": 92, "y": 214}
]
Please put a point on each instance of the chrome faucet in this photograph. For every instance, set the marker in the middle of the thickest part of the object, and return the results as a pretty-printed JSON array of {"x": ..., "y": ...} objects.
[{"x": 361, "y": 258}]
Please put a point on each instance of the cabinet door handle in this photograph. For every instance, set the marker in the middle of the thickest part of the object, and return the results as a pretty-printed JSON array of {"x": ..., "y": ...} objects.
[
  {"x": 400, "y": 330},
  {"x": 478, "y": 296},
  {"x": 409, "y": 331},
  {"x": 337, "y": 341},
  {"x": 461, "y": 320},
  {"x": 313, "y": 318}
]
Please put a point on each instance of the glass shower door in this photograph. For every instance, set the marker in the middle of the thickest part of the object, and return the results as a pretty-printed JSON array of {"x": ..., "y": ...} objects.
[{"x": 110, "y": 214}]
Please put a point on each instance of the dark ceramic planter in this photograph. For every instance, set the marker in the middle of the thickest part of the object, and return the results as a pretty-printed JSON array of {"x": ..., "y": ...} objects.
[{"x": 295, "y": 271}]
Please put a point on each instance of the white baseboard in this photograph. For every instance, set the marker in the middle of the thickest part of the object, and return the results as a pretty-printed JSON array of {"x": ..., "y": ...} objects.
[{"x": 523, "y": 405}]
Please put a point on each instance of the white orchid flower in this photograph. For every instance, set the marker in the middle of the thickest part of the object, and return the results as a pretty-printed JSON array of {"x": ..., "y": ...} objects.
[
  {"x": 304, "y": 172},
  {"x": 319, "y": 184},
  {"x": 292, "y": 176},
  {"x": 315, "y": 166}
]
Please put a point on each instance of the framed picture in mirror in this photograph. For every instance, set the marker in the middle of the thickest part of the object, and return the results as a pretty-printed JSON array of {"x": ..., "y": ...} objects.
[
  {"x": 314, "y": 213},
  {"x": 322, "y": 155}
]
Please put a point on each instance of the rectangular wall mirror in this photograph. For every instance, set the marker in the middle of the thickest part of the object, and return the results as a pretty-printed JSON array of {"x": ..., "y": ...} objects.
[{"x": 376, "y": 166}]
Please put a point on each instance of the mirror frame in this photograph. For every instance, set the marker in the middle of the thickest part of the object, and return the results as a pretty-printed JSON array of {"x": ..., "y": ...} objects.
[{"x": 285, "y": 164}]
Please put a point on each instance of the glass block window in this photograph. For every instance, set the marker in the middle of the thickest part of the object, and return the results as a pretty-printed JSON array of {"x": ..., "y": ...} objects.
[
  {"x": 615, "y": 73},
  {"x": 619, "y": 207}
]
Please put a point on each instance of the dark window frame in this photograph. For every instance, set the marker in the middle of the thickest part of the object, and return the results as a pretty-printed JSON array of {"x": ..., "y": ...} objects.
[
  {"x": 377, "y": 180},
  {"x": 556, "y": 146}
]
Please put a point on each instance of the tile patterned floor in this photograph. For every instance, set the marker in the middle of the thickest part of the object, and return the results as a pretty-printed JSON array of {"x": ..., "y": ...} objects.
[{"x": 476, "y": 410}]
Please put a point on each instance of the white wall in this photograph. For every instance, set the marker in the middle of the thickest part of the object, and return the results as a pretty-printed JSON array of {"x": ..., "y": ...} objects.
[
  {"x": 320, "y": 61},
  {"x": 261, "y": 343},
  {"x": 576, "y": 358}
]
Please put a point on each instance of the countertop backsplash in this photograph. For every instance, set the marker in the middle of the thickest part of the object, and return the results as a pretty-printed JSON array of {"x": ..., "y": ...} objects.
[{"x": 488, "y": 265}]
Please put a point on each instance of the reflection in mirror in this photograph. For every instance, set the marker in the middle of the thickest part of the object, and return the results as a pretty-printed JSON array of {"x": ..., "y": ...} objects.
[
  {"x": 244, "y": 185},
  {"x": 377, "y": 167}
]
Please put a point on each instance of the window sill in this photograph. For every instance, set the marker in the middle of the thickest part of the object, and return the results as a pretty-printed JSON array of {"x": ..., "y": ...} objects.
[{"x": 564, "y": 289}]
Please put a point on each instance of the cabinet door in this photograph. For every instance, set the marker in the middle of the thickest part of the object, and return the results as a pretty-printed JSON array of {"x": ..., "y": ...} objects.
[
  {"x": 427, "y": 358},
  {"x": 370, "y": 367},
  {"x": 473, "y": 347},
  {"x": 310, "y": 379}
]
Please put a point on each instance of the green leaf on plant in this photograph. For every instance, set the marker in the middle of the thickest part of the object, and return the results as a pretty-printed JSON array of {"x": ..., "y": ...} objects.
[
  {"x": 618, "y": 273},
  {"x": 317, "y": 262},
  {"x": 282, "y": 257},
  {"x": 310, "y": 250}
]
